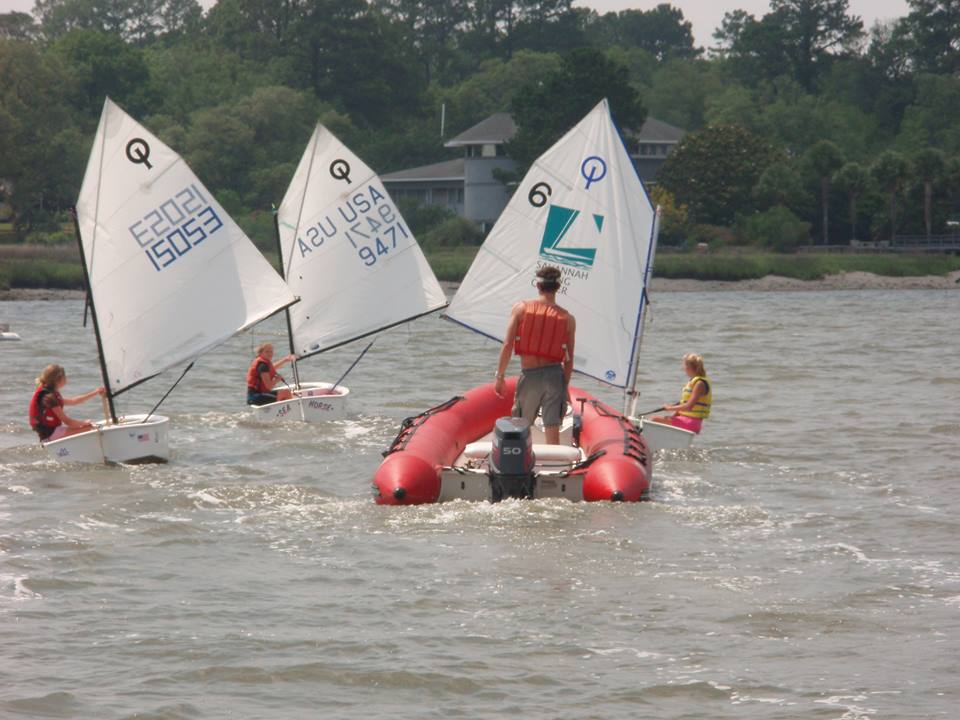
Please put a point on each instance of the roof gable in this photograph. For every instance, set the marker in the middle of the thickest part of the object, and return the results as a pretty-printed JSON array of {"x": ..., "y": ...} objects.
[{"x": 496, "y": 129}]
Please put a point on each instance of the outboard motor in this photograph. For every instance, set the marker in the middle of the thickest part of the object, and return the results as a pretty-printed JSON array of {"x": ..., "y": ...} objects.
[{"x": 511, "y": 460}]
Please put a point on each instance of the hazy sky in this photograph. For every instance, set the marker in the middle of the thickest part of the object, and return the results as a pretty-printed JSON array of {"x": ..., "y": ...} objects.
[{"x": 704, "y": 14}]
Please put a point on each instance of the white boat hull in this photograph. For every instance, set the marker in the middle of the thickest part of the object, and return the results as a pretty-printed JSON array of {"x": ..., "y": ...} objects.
[
  {"x": 129, "y": 441},
  {"x": 312, "y": 402},
  {"x": 664, "y": 437}
]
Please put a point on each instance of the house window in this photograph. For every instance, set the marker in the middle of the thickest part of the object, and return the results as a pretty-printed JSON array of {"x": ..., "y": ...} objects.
[{"x": 489, "y": 150}]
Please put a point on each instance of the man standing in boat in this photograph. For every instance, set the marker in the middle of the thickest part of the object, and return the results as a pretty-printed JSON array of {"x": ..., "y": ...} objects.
[{"x": 542, "y": 333}]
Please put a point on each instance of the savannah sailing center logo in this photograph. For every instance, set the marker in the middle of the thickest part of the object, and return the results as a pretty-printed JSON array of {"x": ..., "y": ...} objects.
[{"x": 560, "y": 221}]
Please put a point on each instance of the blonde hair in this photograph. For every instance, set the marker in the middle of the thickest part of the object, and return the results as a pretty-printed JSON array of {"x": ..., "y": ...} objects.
[
  {"x": 51, "y": 376},
  {"x": 694, "y": 361},
  {"x": 261, "y": 347}
]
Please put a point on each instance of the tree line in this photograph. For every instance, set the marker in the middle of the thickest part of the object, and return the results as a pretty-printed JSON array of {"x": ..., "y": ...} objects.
[{"x": 802, "y": 123}]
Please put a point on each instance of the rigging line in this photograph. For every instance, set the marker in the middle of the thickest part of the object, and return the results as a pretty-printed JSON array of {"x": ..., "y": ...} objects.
[
  {"x": 167, "y": 393},
  {"x": 359, "y": 358}
]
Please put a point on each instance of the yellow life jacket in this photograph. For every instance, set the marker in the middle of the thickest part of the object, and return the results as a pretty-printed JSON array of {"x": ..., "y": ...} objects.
[{"x": 702, "y": 407}]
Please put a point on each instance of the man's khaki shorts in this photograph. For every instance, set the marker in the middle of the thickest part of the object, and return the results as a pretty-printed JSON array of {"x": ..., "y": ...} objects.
[{"x": 541, "y": 388}]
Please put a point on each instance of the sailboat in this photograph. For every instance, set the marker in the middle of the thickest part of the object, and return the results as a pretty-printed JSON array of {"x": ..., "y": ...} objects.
[
  {"x": 581, "y": 207},
  {"x": 350, "y": 257},
  {"x": 169, "y": 276}
]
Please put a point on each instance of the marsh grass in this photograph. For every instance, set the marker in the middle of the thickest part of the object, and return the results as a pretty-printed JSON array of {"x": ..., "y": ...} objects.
[
  {"x": 451, "y": 263},
  {"x": 40, "y": 266},
  {"x": 808, "y": 266},
  {"x": 58, "y": 266}
]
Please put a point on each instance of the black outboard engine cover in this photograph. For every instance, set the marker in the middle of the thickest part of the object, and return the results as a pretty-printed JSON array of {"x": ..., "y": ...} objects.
[{"x": 511, "y": 460}]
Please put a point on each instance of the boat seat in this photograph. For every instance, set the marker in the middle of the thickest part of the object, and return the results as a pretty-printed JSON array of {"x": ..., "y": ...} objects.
[{"x": 552, "y": 453}]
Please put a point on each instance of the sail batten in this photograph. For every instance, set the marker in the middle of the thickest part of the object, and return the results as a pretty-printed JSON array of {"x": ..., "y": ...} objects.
[
  {"x": 582, "y": 208},
  {"x": 353, "y": 261},
  {"x": 173, "y": 274}
]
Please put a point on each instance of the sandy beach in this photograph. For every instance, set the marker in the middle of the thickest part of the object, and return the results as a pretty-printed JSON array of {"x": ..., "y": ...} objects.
[{"x": 770, "y": 283}]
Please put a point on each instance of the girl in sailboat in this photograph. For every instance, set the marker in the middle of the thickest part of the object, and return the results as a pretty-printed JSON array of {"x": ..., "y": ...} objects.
[
  {"x": 695, "y": 398},
  {"x": 46, "y": 415},
  {"x": 263, "y": 376}
]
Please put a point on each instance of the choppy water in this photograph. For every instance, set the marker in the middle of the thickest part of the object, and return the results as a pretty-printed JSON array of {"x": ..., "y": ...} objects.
[{"x": 802, "y": 562}]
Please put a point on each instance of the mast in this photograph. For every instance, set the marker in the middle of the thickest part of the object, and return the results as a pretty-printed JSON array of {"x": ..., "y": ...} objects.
[
  {"x": 286, "y": 310},
  {"x": 93, "y": 314},
  {"x": 631, "y": 395}
]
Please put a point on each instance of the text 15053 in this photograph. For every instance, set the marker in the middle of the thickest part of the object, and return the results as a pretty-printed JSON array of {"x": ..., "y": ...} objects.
[{"x": 175, "y": 227}]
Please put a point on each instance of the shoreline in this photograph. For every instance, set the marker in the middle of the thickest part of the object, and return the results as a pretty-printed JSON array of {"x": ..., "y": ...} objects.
[{"x": 770, "y": 283}]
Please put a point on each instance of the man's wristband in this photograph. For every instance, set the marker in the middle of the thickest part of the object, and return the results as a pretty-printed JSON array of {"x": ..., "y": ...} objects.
[{"x": 498, "y": 376}]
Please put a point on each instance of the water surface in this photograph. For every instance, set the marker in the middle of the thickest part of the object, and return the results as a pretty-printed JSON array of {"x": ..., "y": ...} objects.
[{"x": 800, "y": 562}]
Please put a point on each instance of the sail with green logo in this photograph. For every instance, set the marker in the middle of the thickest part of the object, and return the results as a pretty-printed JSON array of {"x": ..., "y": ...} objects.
[{"x": 581, "y": 208}]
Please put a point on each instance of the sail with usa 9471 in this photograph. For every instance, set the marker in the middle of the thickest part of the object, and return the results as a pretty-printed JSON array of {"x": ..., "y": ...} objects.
[
  {"x": 350, "y": 257},
  {"x": 169, "y": 276}
]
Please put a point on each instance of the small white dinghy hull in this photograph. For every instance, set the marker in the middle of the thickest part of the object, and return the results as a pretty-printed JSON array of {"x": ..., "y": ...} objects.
[
  {"x": 664, "y": 437},
  {"x": 312, "y": 402},
  {"x": 130, "y": 441}
]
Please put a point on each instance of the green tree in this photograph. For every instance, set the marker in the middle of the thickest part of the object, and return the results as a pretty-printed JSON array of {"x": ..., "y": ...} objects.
[
  {"x": 931, "y": 119},
  {"x": 674, "y": 221},
  {"x": 491, "y": 87},
  {"x": 929, "y": 165},
  {"x": 137, "y": 21},
  {"x": 546, "y": 110},
  {"x": 102, "y": 65},
  {"x": 41, "y": 156},
  {"x": 934, "y": 29},
  {"x": 681, "y": 91},
  {"x": 891, "y": 171},
  {"x": 714, "y": 170},
  {"x": 219, "y": 149},
  {"x": 663, "y": 32},
  {"x": 853, "y": 180},
  {"x": 433, "y": 28},
  {"x": 797, "y": 36},
  {"x": 776, "y": 228},
  {"x": 780, "y": 184},
  {"x": 343, "y": 44},
  {"x": 824, "y": 159},
  {"x": 815, "y": 30},
  {"x": 17, "y": 26}
]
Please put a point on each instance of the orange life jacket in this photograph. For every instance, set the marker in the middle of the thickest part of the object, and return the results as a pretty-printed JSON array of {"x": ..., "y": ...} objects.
[
  {"x": 43, "y": 420},
  {"x": 254, "y": 381},
  {"x": 543, "y": 332}
]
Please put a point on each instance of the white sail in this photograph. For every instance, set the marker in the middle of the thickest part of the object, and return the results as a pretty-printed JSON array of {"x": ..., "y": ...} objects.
[
  {"x": 582, "y": 208},
  {"x": 171, "y": 274},
  {"x": 347, "y": 252}
]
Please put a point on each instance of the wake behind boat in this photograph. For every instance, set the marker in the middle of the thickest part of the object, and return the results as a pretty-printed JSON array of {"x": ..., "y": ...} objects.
[
  {"x": 350, "y": 257},
  {"x": 169, "y": 276},
  {"x": 581, "y": 207}
]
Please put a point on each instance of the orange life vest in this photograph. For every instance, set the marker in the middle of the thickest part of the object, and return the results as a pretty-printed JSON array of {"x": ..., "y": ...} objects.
[
  {"x": 254, "y": 381},
  {"x": 43, "y": 420},
  {"x": 544, "y": 331}
]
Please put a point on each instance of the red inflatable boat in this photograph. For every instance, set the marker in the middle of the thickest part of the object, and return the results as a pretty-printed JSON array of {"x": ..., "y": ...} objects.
[{"x": 469, "y": 448}]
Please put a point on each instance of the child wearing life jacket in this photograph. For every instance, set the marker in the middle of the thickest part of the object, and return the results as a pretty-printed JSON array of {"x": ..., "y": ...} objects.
[
  {"x": 262, "y": 375},
  {"x": 695, "y": 398},
  {"x": 46, "y": 414}
]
